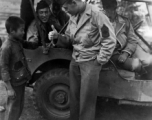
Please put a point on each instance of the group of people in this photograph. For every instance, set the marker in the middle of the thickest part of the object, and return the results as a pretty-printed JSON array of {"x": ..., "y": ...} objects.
[
  {"x": 96, "y": 37},
  {"x": 40, "y": 27}
]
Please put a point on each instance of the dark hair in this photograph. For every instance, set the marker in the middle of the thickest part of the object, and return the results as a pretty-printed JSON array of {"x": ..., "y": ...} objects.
[
  {"x": 56, "y": 6},
  {"x": 109, "y": 4},
  {"x": 42, "y": 4},
  {"x": 13, "y": 23},
  {"x": 62, "y": 2}
]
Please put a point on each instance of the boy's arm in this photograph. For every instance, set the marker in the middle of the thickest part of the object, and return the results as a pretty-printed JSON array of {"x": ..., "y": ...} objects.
[
  {"x": 29, "y": 45},
  {"x": 5, "y": 61}
]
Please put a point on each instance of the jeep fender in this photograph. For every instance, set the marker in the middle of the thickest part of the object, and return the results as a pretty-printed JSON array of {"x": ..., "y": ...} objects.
[{"x": 36, "y": 58}]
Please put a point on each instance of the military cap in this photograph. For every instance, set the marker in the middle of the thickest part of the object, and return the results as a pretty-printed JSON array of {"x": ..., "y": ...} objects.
[
  {"x": 42, "y": 4},
  {"x": 109, "y": 3},
  {"x": 61, "y": 2}
]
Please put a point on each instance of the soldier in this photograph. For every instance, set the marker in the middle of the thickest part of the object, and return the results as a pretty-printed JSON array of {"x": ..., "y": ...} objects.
[
  {"x": 14, "y": 69},
  {"x": 128, "y": 54},
  {"x": 46, "y": 18},
  {"x": 93, "y": 39}
]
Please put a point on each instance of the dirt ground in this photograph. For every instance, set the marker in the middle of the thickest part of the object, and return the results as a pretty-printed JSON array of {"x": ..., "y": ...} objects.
[{"x": 29, "y": 113}]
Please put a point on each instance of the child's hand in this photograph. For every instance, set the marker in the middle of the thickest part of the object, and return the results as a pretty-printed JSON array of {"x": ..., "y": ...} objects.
[
  {"x": 11, "y": 93},
  {"x": 10, "y": 90},
  {"x": 2, "y": 109}
]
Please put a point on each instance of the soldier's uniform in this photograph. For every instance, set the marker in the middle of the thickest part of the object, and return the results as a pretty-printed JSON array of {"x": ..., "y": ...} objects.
[{"x": 93, "y": 41}]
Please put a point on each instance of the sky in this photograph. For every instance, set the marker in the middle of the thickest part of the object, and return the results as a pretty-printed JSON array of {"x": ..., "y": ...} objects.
[{"x": 7, "y": 8}]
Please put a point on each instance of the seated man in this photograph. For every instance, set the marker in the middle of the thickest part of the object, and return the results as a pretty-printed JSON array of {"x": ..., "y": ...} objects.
[
  {"x": 46, "y": 18},
  {"x": 128, "y": 54}
]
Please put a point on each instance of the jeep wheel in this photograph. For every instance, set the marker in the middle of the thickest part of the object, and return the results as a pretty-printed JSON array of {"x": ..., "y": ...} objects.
[{"x": 51, "y": 95}]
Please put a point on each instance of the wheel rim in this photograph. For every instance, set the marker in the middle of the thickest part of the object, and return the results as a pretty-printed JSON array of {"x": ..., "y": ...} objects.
[{"x": 56, "y": 100}]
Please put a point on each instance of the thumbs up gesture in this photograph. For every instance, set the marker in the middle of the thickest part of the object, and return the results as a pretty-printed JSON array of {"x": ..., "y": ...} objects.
[{"x": 53, "y": 34}]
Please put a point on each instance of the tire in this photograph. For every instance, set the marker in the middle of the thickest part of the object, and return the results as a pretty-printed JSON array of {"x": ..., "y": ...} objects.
[{"x": 51, "y": 95}]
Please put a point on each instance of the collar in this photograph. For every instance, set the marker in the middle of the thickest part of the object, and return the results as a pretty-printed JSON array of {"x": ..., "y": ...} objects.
[
  {"x": 120, "y": 19},
  {"x": 86, "y": 11},
  {"x": 14, "y": 40}
]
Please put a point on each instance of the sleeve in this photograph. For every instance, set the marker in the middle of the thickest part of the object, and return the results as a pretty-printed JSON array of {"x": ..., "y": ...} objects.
[
  {"x": 131, "y": 39},
  {"x": 4, "y": 63},
  {"x": 32, "y": 33},
  {"x": 29, "y": 45},
  {"x": 107, "y": 36},
  {"x": 66, "y": 17},
  {"x": 64, "y": 40}
]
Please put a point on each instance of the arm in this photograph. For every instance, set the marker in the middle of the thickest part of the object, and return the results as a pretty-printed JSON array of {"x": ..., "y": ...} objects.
[
  {"x": 32, "y": 33},
  {"x": 29, "y": 45},
  {"x": 131, "y": 43},
  {"x": 64, "y": 40},
  {"x": 131, "y": 39},
  {"x": 107, "y": 36},
  {"x": 5, "y": 61}
]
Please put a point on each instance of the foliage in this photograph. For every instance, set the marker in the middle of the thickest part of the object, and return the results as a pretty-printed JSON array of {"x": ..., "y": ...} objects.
[{"x": 131, "y": 10}]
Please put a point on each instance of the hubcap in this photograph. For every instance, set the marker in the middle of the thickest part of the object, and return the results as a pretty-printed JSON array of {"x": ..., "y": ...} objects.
[
  {"x": 57, "y": 100},
  {"x": 61, "y": 97}
]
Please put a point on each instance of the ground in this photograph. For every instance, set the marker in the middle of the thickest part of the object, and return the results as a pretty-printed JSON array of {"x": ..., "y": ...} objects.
[
  {"x": 105, "y": 110},
  {"x": 29, "y": 113}
]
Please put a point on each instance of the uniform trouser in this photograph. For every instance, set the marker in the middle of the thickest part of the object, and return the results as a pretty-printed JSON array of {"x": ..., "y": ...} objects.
[
  {"x": 84, "y": 78},
  {"x": 140, "y": 61},
  {"x": 146, "y": 60},
  {"x": 15, "y": 106},
  {"x": 144, "y": 57},
  {"x": 131, "y": 64}
]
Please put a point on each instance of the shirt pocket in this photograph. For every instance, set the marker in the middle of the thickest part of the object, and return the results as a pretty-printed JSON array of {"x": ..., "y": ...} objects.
[
  {"x": 18, "y": 60},
  {"x": 87, "y": 42},
  {"x": 18, "y": 66}
]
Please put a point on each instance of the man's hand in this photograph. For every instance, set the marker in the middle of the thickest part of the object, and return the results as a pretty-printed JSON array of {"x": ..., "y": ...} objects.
[
  {"x": 122, "y": 58},
  {"x": 53, "y": 34}
]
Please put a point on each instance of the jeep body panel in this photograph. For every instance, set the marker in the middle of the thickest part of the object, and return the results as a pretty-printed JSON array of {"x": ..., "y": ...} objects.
[
  {"x": 113, "y": 86},
  {"x": 36, "y": 57}
]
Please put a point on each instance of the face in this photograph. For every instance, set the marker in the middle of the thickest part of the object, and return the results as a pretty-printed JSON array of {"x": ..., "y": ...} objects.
[
  {"x": 70, "y": 8},
  {"x": 110, "y": 12},
  {"x": 44, "y": 14},
  {"x": 19, "y": 33}
]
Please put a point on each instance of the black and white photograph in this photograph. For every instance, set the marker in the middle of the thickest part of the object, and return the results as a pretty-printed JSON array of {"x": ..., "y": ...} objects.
[{"x": 75, "y": 59}]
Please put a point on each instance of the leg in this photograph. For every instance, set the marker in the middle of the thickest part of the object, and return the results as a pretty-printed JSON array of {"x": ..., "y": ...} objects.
[
  {"x": 16, "y": 105},
  {"x": 131, "y": 64},
  {"x": 144, "y": 57},
  {"x": 89, "y": 89},
  {"x": 74, "y": 90},
  {"x": 146, "y": 60}
]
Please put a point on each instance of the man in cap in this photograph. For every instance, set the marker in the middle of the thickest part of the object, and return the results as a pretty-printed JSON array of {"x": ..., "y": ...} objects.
[
  {"x": 93, "y": 39},
  {"x": 128, "y": 53},
  {"x": 46, "y": 18}
]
